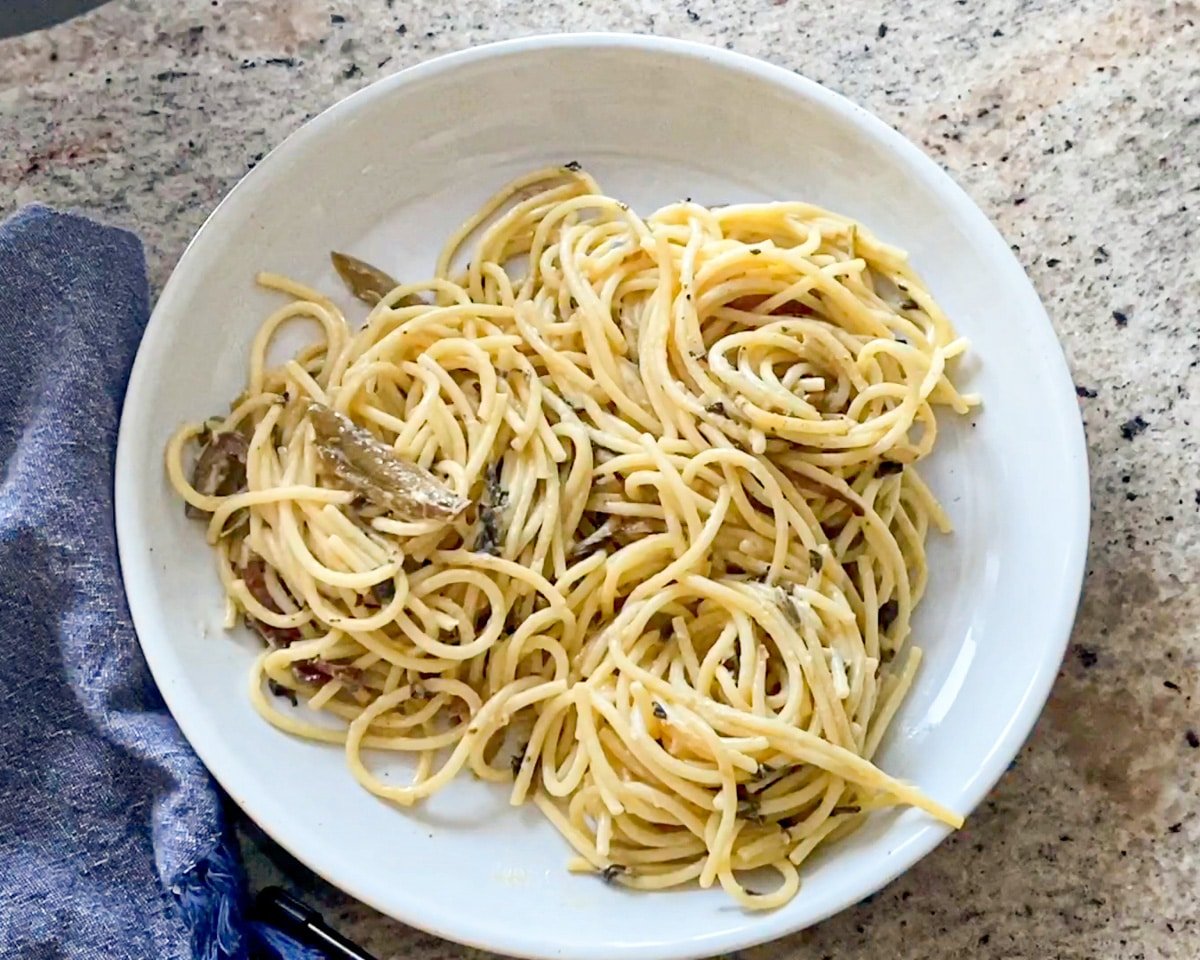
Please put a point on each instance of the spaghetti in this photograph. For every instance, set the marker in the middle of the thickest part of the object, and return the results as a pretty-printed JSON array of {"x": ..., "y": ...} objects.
[{"x": 623, "y": 513}]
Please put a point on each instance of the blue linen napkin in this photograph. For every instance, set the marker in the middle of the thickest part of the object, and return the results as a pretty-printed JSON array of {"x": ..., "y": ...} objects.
[{"x": 113, "y": 840}]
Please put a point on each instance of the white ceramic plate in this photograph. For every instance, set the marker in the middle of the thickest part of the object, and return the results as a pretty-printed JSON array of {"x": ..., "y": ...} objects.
[{"x": 387, "y": 174}]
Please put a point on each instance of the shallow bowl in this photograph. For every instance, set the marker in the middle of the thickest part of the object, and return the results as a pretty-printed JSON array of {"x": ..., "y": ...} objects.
[{"x": 387, "y": 174}]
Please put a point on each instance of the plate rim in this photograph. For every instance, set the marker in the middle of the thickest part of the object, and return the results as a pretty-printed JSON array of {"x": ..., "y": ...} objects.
[{"x": 772, "y": 925}]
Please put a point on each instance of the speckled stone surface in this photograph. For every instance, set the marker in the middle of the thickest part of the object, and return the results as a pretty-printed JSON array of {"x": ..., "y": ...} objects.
[{"x": 1076, "y": 127}]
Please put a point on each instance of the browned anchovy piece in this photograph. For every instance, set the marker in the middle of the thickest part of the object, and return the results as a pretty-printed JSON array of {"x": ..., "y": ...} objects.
[
  {"x": 220, "y": 469},
  {"x": 373, "y": 470},
  {"x": 588, "y": 544},
  {"x": 254, "y": 575},
  {"x": 489, "y": 538},
  {"x": 620, "y": 530},
  {"x": 319, "y": 672},
  {"x": 368, "y": 283}
]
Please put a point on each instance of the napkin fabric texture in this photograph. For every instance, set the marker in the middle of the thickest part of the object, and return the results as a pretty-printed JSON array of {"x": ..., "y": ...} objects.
[{"x": 113, "y": 838}]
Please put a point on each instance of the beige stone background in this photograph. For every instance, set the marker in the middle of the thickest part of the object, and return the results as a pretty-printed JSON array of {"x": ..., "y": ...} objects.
[{"x": 1074, "y": 125}]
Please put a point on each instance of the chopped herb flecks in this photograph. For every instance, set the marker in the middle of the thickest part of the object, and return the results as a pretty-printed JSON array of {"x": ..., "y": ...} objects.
[
  {"x": 887, "y": 613},
  {"x": 279, "y": 690},
  {"x": 517, "y": 759}
]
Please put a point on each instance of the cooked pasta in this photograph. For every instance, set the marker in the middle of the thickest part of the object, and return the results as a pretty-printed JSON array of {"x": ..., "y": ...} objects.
[{"x": 620, "y": 512}]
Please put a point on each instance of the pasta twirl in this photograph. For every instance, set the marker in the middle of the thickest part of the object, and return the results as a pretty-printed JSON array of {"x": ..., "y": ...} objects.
[{"x": 621, "y": 512}]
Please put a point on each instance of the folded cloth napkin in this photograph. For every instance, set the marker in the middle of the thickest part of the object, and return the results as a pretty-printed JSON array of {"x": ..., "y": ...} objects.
[{"x": 113, "y": 841}]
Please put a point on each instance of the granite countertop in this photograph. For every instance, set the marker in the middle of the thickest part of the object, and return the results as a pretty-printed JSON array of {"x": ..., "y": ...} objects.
[{"x": 1075, "y": 124}]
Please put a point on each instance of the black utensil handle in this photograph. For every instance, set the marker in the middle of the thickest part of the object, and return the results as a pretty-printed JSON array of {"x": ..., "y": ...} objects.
[{"x": 279, "y": 908}]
